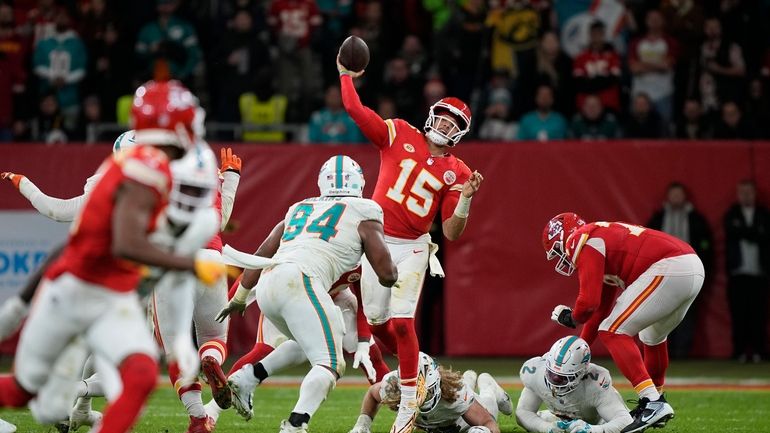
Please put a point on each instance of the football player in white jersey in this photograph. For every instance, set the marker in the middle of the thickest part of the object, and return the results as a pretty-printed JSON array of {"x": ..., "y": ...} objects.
[
  {"x": 578, "y": 395},
  {"x": 448, "y": 400},
  {"x": 320, "y": 239}
]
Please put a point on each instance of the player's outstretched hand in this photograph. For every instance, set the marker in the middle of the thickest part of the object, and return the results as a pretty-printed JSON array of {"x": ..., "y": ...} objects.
[
  {"x": 232, "y": 306},
  {"x": 14, "y": 178},
  {"x": 579, "y": 426},
  {"x": 362, "y": 358},
  {"x": 472, "y": 184},
  {"x": 562, "y": 315},
  {"x": 209, "y": 271},
  {"x": 230, "y": 161},
  {"x": 345, "y": 71}
]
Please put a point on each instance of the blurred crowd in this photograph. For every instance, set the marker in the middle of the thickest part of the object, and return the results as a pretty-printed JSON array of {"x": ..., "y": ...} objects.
[{"x": 530, "y": 69}]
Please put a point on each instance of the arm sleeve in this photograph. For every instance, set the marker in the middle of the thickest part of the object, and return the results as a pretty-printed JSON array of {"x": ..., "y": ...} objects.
[
  {"x": 613, "y": 411},
  {"x": 370, "y": 123},
  {"x": 526, "y": 413},
  {"x": 591, "y": 327},
  {"x": 61, "y": 210},
  {"x": 229, "y": 187},
  {"x": 590, "y": 267}
]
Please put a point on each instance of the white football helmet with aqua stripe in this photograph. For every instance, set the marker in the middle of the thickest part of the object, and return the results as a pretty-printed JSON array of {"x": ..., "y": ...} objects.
[
  {"x": 341, "y": 176},
  {"x": 124, "y": 141},
  {"x": 566, "y": 364}
]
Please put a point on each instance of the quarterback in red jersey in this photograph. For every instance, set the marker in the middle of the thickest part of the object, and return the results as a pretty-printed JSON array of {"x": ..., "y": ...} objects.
[
  {"x": 418, "y": 178},
  {"x": 659, "y": 276},
  {"x": 89, "y": 292}
]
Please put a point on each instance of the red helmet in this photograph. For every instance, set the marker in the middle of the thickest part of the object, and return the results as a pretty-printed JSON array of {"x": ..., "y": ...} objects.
[
  {"x": 456, "y": 112},
  {"x": 165, "y": 113},
  {"x": 555, "y": 235}
]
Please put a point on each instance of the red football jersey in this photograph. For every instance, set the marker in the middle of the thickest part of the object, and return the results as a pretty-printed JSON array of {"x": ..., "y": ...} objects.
[
  {"x": 412, "y": 185},
  {"x": 615, "y": 254},
  {"x": 602, "y": 64},
  {"x": 216, "y": 242},
  {"x": 88, "y": 253}
]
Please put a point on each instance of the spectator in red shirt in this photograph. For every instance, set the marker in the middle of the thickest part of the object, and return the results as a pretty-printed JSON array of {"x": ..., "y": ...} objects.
[
  {"x": 651, "y": 60},
  {"x": 294, "y": 24},
  {"x": 13, "y": 75},
  {"x": 597, "y": 70}
]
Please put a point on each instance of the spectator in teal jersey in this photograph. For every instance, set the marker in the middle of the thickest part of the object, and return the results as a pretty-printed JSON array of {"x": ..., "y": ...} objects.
[
  {"x": 168, "y": 46},
  {"x": 60, "y": 63},
  {"x": 543, "y": 124},
  {"x": 332, "y": 124}
]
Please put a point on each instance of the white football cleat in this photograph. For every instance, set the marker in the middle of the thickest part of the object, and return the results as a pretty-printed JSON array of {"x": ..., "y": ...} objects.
[
  {"x": 80, "y": 418},
  {"x": 242, "y": 384},
  {"x": 286, "y": 427},
  {"x": 470, "y": 378},
  {"x": 6, "y": 427},
  {"x": 504, "y": 404},
  {"x": 405, "y": 419}
]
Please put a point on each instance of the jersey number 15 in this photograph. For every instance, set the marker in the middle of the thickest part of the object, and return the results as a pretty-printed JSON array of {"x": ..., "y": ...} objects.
[{"x": 424, "y": 179}]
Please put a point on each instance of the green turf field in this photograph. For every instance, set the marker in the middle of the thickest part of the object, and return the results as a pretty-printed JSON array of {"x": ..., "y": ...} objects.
[{"x": 699, "y": 410}]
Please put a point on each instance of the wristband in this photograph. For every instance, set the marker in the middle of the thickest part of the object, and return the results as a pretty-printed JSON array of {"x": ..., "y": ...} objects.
[
  {"x": 463, "y": 207},
  {"x": 241, "y": 294}
]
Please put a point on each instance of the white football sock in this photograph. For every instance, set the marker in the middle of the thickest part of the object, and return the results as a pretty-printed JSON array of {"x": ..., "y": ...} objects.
[
  {"x": 287, "y": 354},
  {"x": 649, "y": 392},
  {"x": 193, "y": 403},
  {"x": 314, "y": 389},
  {"x": 408, "y": 393},
  {"x": 213, "y": 410}
]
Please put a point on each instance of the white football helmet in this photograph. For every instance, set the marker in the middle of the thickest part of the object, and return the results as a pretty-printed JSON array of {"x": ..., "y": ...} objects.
[
  {"x": 341, "y": 176},
  {"x": 195, "y": 180},
  {"x": 428, "y": 383},
  {"x": 566, "y": 364},
  {"x": 125, "y": 141}
]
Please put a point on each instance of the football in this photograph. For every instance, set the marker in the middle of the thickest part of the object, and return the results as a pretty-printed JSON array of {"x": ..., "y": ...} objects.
[{"x": 354, "y": 54}]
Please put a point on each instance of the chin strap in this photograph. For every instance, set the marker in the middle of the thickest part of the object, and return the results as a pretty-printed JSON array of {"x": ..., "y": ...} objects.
[{"x": 437, "y": 138}]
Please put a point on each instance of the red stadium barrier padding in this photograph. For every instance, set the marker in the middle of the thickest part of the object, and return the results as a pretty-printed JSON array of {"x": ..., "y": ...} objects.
[{"x": 499, "y": 289}]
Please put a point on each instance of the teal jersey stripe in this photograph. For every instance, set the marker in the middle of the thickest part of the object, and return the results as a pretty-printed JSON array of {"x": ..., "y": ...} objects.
[
  {"x": 560, "y": 358},
  {"x": 324, "y": 320},
  {"x": 338, "y": 169}
]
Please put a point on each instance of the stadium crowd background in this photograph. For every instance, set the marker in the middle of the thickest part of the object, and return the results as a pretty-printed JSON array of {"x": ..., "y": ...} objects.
[{"x": 265, "y": 69}]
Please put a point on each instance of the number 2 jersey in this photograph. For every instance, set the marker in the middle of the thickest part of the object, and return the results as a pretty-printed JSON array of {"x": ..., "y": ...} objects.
[
  {"x": 88, "y": 254},
  {"x": 615, "y": 254},
  {"x": 321, "y": 235},
  {"x": 412, "y": 185}
]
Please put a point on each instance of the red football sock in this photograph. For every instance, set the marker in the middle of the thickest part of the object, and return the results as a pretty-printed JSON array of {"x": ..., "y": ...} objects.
[
  {"x": 628, "y": 358},
  {"x": 138, "y": 373},
  {"x": 11, "y": 393},
  {"x": 256, "y": 354},
  {"x": 408, "y": 348},
  {"x": 215, "y": 348},
  {"x": 656, "y": 362},
  {"x": 386, "y": 335},
  {"x": 173, "y": 375},
  {"x": 379, "y": 364}
]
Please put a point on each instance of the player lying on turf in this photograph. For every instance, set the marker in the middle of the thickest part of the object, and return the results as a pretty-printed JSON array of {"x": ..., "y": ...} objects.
[
  {"x": 449, "y": 402},
  {"x": 418, "y": 178},
  {"x": 319, "y": 239},
  {"x": 660, "y": 276},
  {"x": 578, "y": 395}
]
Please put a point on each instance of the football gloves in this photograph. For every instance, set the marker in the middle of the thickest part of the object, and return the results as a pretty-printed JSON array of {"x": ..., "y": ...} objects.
[
  {"x": 14, "y": 178},
  {"x": 361, "y": 357},
  {"x": 562, "y": 315},
  {"x": 230, "y": 161}
]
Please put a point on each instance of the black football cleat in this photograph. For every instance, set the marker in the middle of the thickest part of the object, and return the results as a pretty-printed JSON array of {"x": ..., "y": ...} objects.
[{"x": 650, "y": 414}]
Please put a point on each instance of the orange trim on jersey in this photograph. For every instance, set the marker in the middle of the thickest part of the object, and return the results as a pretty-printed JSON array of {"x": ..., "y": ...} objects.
[
  {"x": 641, "y": 386},
  {"x": 391, "y": 131},
  {"x": 581, "y": 244},
  {"x": 260, "y": 336},
  {"x": 634, "y": 305},
  {"x": 155, "y": 324}
]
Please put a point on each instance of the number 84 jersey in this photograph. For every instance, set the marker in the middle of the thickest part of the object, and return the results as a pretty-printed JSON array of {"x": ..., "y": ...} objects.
[
  {"x": 321, "y": 235},
  {"x": 413, "y": 185}
]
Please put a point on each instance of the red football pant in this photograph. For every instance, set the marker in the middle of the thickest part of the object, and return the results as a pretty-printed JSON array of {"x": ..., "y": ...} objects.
[
  {"x": 138, "y": 373},
  {"x": 375, "y": 355}
]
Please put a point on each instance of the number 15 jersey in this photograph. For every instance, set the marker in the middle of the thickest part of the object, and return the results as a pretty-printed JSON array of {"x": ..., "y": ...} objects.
[
  {"x": 321, "y": 235},
  {"x": 413, "y": 185}
]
